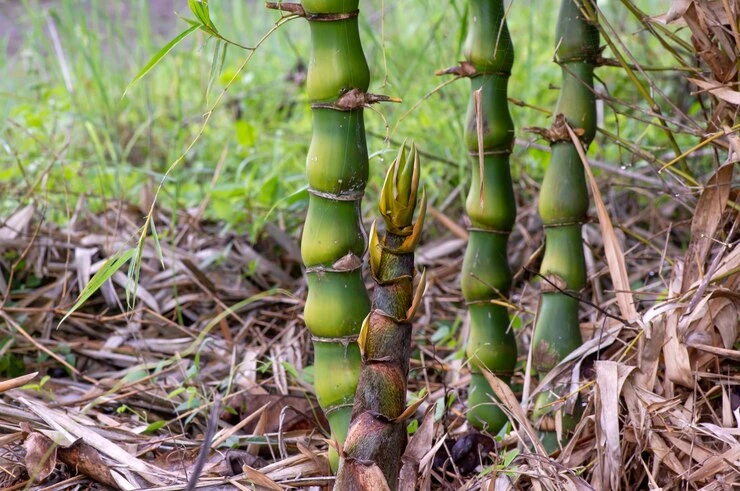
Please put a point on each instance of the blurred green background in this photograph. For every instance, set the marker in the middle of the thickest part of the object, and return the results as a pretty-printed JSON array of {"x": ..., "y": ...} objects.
[{"x": 68, "y": 138}]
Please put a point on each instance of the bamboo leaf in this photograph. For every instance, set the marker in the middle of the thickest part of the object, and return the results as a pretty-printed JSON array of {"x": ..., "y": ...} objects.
[
  {"x": 219, "y": 56},
  {"x": 189, "y": 21},
  {"x": 112, "y": 265},
  {"x": 134, "y": 268},
  {"x": 200, "y": 9},
  {"x": 157, "y": 246},
  {"x": 160, "y": 54}
]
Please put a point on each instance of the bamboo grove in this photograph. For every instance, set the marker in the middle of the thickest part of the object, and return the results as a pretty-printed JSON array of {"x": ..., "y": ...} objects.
[
  {"x": 377, "y": 434},
  {"x": 351, "y": 339},
  {"x": 563, "y": 205}
]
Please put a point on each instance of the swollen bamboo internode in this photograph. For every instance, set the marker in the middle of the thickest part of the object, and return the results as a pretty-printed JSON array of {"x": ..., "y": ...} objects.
[
  {"x": 490, "y": 205},
  {"x": 563, "y": 206},
  {"x": 377, "y": 434},
  {"x": 333, "y": 238}
]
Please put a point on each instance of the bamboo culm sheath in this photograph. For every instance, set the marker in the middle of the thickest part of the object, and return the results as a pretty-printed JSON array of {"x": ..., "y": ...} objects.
[
  {"x": 333, "y": 242},
  {"x": 490, "y": 205},
  {"x": 563, "y": 206},
  {"x": 377, "y": 433}
]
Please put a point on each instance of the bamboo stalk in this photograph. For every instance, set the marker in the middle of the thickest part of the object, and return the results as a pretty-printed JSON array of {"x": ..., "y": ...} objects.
[
  {"x": 490, "y": 204},
  {"x": 563, "y": 206},
  {"x": 377, "y": 434},
  {"x": 333, "y": 241}
]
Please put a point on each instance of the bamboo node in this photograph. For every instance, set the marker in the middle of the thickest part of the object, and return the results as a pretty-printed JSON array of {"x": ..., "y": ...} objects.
[
  {"x": 392, "y": 281},
  {"x": 553, "y": 283},
  {"x": 349, "y": 262},
  {"x": 475, "y": 153},
  {"x": 345, "y": 340},
  {"x": 354, "y": 195},
  {"x": 345, "y": 264},
  {"x": 594, "y": 56},
  {"x": 331, "y": 17},
  {"x": 466, "y": 69},
  {"x": 298, "y": 10},
  {"x": 489, "y": 231},
  {"x": 397, "y": 320},
  {"x": 463, "y": 69},
  {"x": 353, "y": 100},
  {"x": 558, "y": 132},
  {"x": 329, "y": 410}
]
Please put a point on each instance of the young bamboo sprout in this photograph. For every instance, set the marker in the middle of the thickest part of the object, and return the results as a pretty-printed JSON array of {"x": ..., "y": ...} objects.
[
  {"x": 333, "y": 239},
  {"x": 377, "y": 434},
  {"x": 489, "y": 137},
  {"x": 563, "y": 206}
]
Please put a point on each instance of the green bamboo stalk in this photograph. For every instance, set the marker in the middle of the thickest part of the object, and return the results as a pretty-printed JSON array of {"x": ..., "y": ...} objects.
[
  {"x": 486, "y": 275},
  {"x": 563, "y": 206},
  {"x": 377, "y": 434},
  {"x": 333, "y": 241}
]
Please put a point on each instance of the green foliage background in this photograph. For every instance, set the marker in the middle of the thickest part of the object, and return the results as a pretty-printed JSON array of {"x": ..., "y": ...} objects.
[{"x": 68, "y": 136}]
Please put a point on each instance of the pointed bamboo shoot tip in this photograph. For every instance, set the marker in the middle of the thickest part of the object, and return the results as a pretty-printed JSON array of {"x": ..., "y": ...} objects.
[{"x": 410, "y": 243}]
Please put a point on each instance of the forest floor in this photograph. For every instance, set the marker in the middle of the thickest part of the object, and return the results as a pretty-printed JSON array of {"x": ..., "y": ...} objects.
[{"x": 198, "y": 366}]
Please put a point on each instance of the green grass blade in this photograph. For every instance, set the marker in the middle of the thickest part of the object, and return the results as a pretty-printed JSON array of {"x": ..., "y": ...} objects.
[
  {"x": 157, "y": 245},
  {"x": 160, "y": 54},
  {"x": 112, "y": 265}
]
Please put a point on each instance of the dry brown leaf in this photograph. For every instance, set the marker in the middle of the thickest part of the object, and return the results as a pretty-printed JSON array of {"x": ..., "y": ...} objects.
[
  {"x": 418, "y": 446},
  {"x": 16, "y": 382},
  {"x": 675, "y": 353},
  {"x": 665, "y": 454},
  {"x": 716, "y": 311},
  {"x": 258, "y": 478},
  {"x": 86, "y": 460},
  {"x": 18, "y": 221},
  {"x": 718, "y": 90},
  {"x": 716, "y": 464},
  {"x": 677, "y": 10},
  {"x": 67, "y": 425},
  {"x": 511, "y": 403},
  {"x": 610, "y": 378},
  {"x": 707, "y": 217},
  {"x": 612, "y": 248},
  {"x": 83, "y": 265},
  {"x": 41, "y": 456}
]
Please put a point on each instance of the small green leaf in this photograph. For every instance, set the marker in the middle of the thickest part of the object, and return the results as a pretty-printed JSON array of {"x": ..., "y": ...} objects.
[
  {"x": 412, "y": 427},
  {"x": 154, "y": 427},
  {"x": 113, "y": 264},
  {"x": 135, "y": 376},
  {"x": 160, "y": 54},
  {"x": 509, "y": 457},
  {"x": 439, "y": 409},
  {"x": 176, "y": 392}
]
